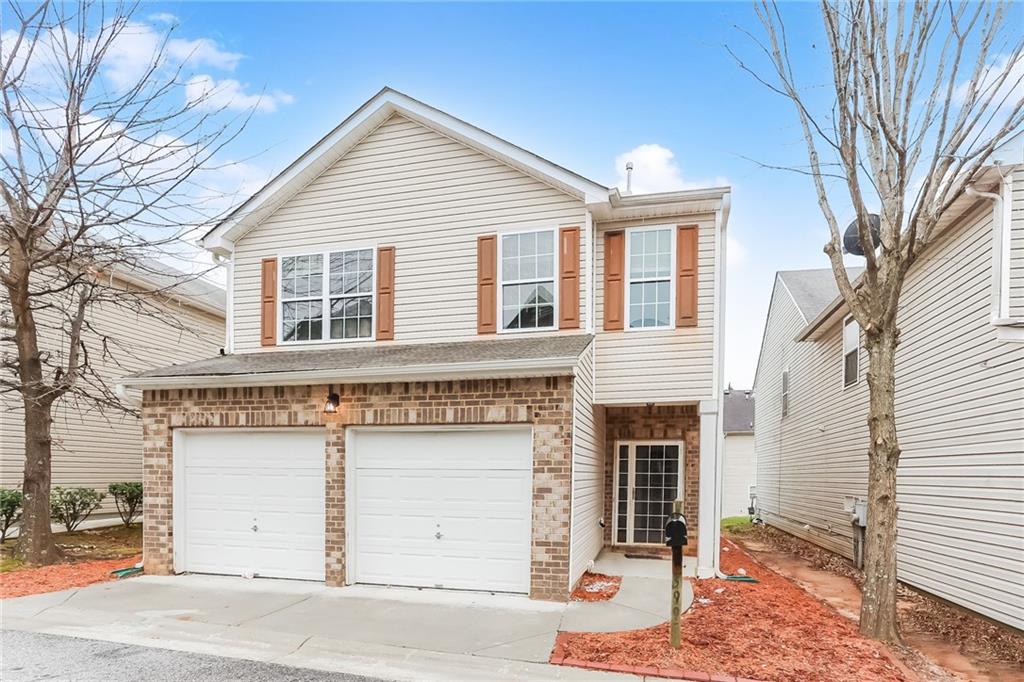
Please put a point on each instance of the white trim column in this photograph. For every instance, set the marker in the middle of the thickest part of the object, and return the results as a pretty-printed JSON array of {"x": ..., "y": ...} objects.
[{"x": 708, "y": 507}]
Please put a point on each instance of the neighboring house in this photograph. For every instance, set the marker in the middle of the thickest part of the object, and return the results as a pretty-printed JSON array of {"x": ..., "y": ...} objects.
[
  {"x": 94, "y": 447},
  {"x": 959, "y": 402},
  {"x": 452, "y": 363},
  {"x": 740, "y": 466}
]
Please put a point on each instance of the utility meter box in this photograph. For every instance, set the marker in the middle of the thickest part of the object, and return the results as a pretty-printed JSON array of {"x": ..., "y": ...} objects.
[
  {"x": 675, "y": 530},
  {"x": 857, "y": 509}
]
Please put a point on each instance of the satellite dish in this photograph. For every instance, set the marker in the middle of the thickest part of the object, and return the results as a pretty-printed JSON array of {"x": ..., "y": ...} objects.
[{"x": 851, "y": 238}]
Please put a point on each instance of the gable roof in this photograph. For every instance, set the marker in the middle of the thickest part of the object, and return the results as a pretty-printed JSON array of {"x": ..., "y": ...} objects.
[
  {"x": 364, "y": 120},
  {"x": 813, "y": 290},
  {"x": 738, "y": 411}
]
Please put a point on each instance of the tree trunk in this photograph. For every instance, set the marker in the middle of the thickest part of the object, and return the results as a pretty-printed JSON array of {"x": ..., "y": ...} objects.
[
  {"x": 878, "y": 606},
  {"x": 35, "y": 541}
]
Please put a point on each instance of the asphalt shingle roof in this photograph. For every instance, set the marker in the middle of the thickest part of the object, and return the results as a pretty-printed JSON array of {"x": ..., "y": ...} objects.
[
  {"x": 379, "y": 356},
  {"x": 814, "y": 289},
  {"x": 738, "y": 411}
]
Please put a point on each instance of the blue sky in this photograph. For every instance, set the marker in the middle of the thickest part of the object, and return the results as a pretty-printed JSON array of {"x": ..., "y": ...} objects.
[{"x": 581, "y": 84}]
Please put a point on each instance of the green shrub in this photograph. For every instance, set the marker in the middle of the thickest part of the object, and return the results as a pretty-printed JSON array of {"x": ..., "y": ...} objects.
[
  {"x": 10, "y": 510},
  {"x": 71, "y": 506},
  {"x": 128, "y": 500}
]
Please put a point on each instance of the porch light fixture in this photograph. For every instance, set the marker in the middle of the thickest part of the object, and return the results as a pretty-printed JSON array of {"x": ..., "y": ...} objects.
[{"x": 333, "y": 399}]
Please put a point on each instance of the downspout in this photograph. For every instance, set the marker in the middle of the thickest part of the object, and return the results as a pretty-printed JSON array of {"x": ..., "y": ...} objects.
[
  {"x": 997, "y": 247},
  {"x": 721, "y": 224},
  {"x": 229, "y": 300}
]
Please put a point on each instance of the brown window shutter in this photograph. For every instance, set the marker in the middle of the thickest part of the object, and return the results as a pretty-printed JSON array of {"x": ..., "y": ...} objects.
[
  {"x": 385, "y": 293},
  {"x": 569, "y": 278},
  {"x": 686, "y": 276},
  {"x": 268, "y": 302},
  {"x": 487, "y": 284},
  {"x": 614, "y": 281}
]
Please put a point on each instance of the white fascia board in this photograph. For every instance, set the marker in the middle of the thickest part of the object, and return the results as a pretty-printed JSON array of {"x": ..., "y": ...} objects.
[
  {"x": 464, "y": 370},
  {"x": 371, "y": 114}
]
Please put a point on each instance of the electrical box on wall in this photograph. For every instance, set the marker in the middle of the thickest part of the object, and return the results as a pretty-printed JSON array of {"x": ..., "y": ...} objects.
[{"x": 857, "y": 508}]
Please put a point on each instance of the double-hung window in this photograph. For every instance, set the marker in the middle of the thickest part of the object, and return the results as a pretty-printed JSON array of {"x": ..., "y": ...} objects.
[
  {"x": 528, "y": 280},
  {"x": 851, "y": 352},
  {"x": 649, "y": 253},
  {"x": 324, "y": 304}
]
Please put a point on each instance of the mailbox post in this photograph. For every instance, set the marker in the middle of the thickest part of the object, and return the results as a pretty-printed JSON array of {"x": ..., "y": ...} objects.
[{"x": 675, "y": 537}]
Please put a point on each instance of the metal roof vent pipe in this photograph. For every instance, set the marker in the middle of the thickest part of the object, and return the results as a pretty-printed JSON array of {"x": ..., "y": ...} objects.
[{"x": 629, "y": 178}]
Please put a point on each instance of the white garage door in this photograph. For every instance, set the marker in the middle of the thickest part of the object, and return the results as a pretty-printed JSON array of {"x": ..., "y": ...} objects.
[
  {"x": 443, "y": 508},
  {"x": 250, "y": 503}
]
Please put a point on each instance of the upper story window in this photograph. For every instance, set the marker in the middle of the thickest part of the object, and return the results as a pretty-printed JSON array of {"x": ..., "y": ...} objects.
[
  {"x": 649, "y": 259},
  {"x": 785, "y": 392},
  {"x": 335, "y": 303},
  {"x": 528, "y": 280},
  {"x": 851, "y": 352}
]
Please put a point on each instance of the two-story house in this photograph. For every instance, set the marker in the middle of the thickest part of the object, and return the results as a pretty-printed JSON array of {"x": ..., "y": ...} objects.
[
  {"x": 452, "y": 363},
  {"x": 959, "y": 405}
]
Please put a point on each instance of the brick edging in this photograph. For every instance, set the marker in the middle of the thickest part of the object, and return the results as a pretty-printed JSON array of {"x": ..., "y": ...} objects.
[{"x": 648, "y": 671}]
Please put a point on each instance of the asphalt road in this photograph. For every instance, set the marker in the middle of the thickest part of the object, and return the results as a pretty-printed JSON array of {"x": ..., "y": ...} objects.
[{"x": 33, "y": 657}]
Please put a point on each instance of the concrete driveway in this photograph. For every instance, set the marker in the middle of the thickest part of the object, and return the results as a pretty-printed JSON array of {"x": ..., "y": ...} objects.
[{"x": 392, "y": 633}]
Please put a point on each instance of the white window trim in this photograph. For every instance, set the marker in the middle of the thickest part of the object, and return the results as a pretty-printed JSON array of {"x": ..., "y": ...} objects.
[
  {"x": 500, "y": 303},
  {"x": 671, "y": 279},
  {"x": 325, "y": 297},
  {"x": 842, "y": 364},
  {"x": 630, "y": 485}
]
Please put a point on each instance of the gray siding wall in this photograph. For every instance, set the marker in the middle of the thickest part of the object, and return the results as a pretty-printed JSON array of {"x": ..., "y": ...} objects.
[
  {"x": 960, "y": 415},
  {"x": 587, "y": 470},
  {"x": 92, "y": 447},
  {"x": 739, "y": 473}
]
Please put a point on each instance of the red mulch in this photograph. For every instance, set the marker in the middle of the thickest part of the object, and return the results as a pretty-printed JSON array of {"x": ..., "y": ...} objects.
[
  {"x": 60, "y": 576},
  {"x": 596, "y": 587},
  {"x": 770, "y": 630}
]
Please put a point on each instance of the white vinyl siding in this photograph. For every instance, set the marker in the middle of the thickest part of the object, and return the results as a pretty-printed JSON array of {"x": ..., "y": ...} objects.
[
  {"x": 738, "y": 473},
  {"x": 93, "y": 448},
  {"x": 959, "y": 401},
  {"x": 1016, "y": 250},
  {"x": 430, "y": 197},
  {"x": 658, "y": 365},
  {"x": 587, "y": 470}
]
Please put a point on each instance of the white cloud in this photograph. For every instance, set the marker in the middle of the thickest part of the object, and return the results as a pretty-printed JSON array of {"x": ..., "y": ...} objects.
[
  {"x": 655, "y": 170},
  {"x": 1009, "y": 93},
  {"x": 211, "y": 94},
  {"x": 163, "y": 18}
]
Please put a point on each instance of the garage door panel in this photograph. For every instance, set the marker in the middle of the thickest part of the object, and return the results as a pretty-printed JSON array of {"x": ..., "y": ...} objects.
[
  {"x": 474, "y": 487},
  {"x": 253, "y": 503}
]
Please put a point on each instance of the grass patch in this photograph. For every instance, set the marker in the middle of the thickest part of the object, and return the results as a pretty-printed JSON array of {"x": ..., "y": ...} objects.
[
  {"x": 7, "y": 565},
  {"x": 737, "y": 524}
]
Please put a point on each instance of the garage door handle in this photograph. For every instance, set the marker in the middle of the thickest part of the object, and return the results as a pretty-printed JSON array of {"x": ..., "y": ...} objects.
[{"x": 438, "y": 535}]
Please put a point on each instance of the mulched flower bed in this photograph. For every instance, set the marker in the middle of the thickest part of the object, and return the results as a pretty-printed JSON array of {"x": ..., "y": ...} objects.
[
  {"x": 770, "y": 630},
  {"x": 58, "y": 577},
  {"x": 596, "y": 587}
]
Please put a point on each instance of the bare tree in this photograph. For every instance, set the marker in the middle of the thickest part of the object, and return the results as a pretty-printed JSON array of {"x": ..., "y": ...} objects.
[
  {"x": 924, "y": 93},
  {"x": 99, "y": 180}
]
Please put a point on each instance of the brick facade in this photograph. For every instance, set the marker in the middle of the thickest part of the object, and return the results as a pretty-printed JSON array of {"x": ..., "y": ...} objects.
[
  {"x": 543, "y": 402},
  {"x": 661, "y": 422}
]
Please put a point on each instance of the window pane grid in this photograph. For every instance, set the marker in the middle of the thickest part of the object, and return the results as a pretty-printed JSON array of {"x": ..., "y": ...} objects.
[
  {"x": 528, "y": 280},
  {"x": 338, "y": 302},
  {"x": 650, "y": 273}
]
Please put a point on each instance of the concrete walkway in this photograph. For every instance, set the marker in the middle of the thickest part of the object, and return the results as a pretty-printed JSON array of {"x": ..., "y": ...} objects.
[{"x": 391, "y": 633}]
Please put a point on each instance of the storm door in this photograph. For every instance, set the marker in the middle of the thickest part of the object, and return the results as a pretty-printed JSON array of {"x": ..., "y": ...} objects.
[{"x": 648, "y": 477}]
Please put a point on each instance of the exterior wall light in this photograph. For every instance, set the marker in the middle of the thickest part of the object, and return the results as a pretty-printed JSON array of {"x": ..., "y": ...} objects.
[{"x": 332, "y": 402}]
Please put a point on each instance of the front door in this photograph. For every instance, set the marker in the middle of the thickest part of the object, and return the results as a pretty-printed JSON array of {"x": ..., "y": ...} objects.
[{"x": 648, "y": 477}]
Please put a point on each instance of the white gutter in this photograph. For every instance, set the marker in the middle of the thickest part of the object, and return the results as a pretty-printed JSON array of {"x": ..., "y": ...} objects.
[
  {"x": 461, "y": 370},
  {"x": 722, "y": 222},
  {"x": 1000, "y": 307}
]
